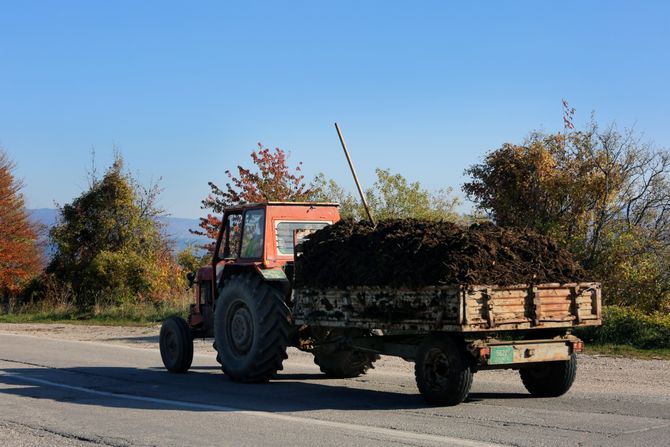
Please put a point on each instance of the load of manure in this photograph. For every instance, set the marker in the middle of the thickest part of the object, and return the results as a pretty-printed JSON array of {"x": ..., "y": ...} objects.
[{"x": 411, "y": 253}]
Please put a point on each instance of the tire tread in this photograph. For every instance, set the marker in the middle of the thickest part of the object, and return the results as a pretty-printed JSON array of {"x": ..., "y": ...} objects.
[{"x": 271, "y": 327}]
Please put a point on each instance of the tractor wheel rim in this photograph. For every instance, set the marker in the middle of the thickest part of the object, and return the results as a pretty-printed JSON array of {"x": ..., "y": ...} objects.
[
  {"x": 171, "y": 344},
  {"x": 241, "y": 329},
  {"x": 437, "y": 369}
]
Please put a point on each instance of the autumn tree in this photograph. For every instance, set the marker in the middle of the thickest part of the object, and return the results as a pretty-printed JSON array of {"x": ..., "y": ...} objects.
[
  {"x": 604, "y": 193},
  {"x": 391, "y": 196},
  {"x": 20, "y": 256},
  {"x": 269, "y": 179},
  {"x": 109, "y": 243},
  {"x": 191, "y": 258},
  {"x": 543, "y": 184},
  {"x": 328, "y": 190}
]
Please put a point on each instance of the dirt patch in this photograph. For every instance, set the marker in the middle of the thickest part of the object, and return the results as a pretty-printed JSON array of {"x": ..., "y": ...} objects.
[{"x": 416, "y": 253}]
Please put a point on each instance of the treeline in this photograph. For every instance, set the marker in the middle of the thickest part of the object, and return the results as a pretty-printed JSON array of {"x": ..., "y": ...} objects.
[
  {"x": 602, "y": 193},
  {"x": 109, "y": 251}
]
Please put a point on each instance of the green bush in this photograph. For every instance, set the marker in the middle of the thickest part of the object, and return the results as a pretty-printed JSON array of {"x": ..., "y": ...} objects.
[
  {"x": 109, "y": 246},
  {"x": 628, "y": 326}
]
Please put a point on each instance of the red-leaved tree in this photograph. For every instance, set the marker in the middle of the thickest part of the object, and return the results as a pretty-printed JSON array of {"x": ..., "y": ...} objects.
[
  {"x": 20, "y": 258},
  {"x": 269, "y": 179}
]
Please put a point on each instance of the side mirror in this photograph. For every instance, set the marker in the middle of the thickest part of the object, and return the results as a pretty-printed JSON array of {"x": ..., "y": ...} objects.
[{"x": 190, "y": 278}]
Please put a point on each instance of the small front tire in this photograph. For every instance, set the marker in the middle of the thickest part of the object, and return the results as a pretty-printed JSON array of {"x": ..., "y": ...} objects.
[{"x": 176, "y": 345}]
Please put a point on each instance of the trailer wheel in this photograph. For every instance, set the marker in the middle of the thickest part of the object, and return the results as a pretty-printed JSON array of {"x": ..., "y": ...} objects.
[
  {"x": 442, "y": 372},
  {"x": 550, "y": 379},
  {"x": 251, "y": 326},
  {"x": 176, "y": 345},
  {"x": 345, "y": 364}
]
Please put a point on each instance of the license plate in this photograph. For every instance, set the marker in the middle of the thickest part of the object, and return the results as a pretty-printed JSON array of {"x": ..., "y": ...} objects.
[{"x": 501, "y": 355}]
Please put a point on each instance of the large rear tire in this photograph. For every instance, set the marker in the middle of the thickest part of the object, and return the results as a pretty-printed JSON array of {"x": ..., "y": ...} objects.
[
  {"x": 345, "y": 364},
  {"x": 251, "y": 329},
  {"x": 550, "y": 379},
  {"x": 443, "y": 374},
  {"x": 176, "y": 345}
]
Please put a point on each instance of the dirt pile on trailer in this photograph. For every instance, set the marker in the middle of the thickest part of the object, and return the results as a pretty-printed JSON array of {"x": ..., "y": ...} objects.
[{"x": 414, "y": 253}]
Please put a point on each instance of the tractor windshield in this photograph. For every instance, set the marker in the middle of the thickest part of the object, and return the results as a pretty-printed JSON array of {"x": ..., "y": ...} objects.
[{"x": 284, "y": 231}]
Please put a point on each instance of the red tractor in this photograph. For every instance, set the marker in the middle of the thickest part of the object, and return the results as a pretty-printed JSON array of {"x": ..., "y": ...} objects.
[{"x": 243, "y": 299}]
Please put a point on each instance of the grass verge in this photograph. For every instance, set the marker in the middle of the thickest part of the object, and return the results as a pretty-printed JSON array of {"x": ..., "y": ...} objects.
[
  {"x": 136, "y": 314},
  {"x": 614, "y": 350},
  {"x": 629, "y": 327}
]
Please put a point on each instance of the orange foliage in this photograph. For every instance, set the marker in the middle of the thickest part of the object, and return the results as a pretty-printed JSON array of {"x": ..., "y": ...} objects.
[
  {"x": 271, "y": 180},
  {"x": 20, "y": 259}
]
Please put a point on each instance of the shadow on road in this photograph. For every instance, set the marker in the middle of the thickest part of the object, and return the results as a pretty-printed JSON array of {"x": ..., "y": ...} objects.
[
  {"x": 135, "y": 339},
  {"x": 478, "y": 397},
  {"x": 291, "y": 392},
  {"x": 286, "y": 393}
]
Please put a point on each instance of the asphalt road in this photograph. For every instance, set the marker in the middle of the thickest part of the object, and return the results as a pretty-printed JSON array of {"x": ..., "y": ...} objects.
[{"x": 112, "y": 391}]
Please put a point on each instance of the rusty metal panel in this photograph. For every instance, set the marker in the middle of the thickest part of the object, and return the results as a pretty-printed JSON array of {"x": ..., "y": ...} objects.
[{"x": 516, "y": 353}]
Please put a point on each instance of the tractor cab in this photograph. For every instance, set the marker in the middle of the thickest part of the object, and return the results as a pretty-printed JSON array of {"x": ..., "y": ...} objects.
[{"x": 256, "y": 240}]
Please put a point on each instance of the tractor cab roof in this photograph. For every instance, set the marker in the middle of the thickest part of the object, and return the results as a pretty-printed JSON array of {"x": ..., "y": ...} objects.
[{"x": 280, "y": 204}]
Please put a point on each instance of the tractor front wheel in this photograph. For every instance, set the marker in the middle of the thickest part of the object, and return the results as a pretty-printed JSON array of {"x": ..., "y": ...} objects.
[
  {"x": 176, "y": 345},
  {"x": 251, "y": 329}
]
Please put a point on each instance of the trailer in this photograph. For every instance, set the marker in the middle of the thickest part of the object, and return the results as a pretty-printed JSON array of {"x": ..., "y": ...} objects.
[{"x": 454, "y": 331}]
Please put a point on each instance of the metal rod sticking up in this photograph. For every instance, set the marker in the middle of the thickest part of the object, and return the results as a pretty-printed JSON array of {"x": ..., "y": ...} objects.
[{"x": 353, "y": 172}]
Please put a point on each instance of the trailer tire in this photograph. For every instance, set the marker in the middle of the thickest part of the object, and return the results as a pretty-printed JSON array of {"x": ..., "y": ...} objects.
[
  {"x": 176, "y": 345},
  {"x": 443, "y": 374},
  {"x": 550, "y": 379},
  {"x": 345, "y": 364},
  {"x": 251, "y": 329}
]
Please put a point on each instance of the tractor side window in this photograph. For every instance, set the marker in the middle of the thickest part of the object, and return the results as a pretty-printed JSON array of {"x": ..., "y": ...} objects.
[
  {"x": 230, "y": 246},
  {"x": 285, "y": 231},
  {"x": 253, "y": 234}
]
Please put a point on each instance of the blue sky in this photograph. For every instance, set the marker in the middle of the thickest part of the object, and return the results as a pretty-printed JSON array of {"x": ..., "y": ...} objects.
[{"x": 185, "y": 90}]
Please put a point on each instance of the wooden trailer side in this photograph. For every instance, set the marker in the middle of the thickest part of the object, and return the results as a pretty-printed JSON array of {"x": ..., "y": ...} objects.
[{"x": 451, "y": 308}]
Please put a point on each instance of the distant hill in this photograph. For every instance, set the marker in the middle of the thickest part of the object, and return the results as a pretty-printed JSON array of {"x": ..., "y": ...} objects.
[
  {"x": 44, "y": 216},
  {"x": 176, "y": 228}
]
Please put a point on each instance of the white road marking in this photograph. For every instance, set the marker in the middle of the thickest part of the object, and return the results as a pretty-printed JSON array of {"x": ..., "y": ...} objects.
[{"x": 391, "y": 433}]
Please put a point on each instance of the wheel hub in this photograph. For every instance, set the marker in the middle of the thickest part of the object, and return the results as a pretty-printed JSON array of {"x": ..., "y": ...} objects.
[
  {"x": 437, "y": 369},
  {"x": 241, "y": 329},
  {"x": 171, "y": 343}
]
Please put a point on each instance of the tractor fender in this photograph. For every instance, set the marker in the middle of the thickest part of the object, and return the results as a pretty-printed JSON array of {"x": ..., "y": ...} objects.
[
  {"x": 272, "y": 274},
  {"x": 275, "y": 276}
]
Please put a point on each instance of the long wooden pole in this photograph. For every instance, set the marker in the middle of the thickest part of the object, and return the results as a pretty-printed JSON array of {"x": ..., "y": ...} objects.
[{"x": 353, "y": 172}]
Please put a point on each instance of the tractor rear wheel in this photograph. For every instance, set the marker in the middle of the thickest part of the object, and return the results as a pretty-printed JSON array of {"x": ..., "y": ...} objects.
[
  {"x": 251, "y": 329},
  {"x": 345, "y": 364},
  {"x": 442, "y": 372},
  {"x": 176, "y": 345},
  {"x": 550, "y": 379}
]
